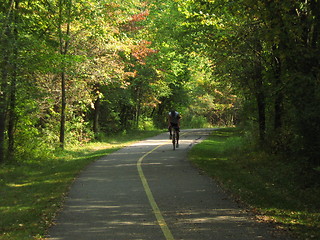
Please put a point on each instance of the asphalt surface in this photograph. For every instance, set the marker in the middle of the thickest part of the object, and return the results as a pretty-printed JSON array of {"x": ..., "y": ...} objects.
[{"x": 149, "y": 191}]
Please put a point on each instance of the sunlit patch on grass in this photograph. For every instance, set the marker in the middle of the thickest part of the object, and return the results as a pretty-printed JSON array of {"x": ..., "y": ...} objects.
[{"x": 18, "y": 185}]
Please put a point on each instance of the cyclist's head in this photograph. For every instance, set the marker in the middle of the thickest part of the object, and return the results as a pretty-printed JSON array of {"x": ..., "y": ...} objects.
[{"x": 173, "y": 112}]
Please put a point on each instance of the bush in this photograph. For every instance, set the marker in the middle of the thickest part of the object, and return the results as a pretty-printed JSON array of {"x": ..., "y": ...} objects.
[{"x": 194, "y": 121}]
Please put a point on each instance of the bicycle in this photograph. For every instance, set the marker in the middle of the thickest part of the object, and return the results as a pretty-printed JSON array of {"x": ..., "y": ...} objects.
[{"x": 175, "y": 138}]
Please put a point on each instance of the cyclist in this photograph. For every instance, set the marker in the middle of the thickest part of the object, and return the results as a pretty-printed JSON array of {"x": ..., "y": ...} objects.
[{"x": 174, "y": 122}]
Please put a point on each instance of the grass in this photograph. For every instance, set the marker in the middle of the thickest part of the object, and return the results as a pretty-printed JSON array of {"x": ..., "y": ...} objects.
[
  {"x": 33, "y": 191},
  {"x": 273, "y": 187}
]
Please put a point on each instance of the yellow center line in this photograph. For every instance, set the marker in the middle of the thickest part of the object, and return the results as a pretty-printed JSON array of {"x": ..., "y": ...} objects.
[{"x": 164, "y": 227}]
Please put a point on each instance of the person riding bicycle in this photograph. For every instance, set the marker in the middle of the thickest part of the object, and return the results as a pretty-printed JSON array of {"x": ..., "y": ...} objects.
[{"x": 174, "y": 122}]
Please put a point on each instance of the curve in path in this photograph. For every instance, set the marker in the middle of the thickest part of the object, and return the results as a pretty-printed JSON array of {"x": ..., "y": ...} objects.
[{"x": 149, "y": 191}]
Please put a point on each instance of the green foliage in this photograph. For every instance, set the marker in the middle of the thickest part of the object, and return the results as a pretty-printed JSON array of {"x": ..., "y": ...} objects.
[
  {"x": 83, "y": 41},
  {"x": 266, "y": 52},
  {"x": 194, "y": 121},
  {"x": 106, "y": 65}
]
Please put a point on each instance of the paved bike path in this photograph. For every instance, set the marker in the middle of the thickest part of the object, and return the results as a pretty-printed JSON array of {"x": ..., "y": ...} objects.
[{"x": 109, "y": 200}]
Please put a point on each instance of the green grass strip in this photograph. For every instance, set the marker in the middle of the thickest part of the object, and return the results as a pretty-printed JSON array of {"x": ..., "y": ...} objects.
[
  {"x": 33, "y": 191},
  {"x": 271, "y": 186}
]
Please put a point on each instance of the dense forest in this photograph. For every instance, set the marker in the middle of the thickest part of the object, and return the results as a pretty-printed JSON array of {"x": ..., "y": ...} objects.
[{"x": 73, "y": 71}]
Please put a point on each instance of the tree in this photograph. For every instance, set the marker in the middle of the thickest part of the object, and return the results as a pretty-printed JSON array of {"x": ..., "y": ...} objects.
[
  {"x": 266, "y": 49},
  {"x": 65, "y": 18},
  {"x": 9, "y": 36}
]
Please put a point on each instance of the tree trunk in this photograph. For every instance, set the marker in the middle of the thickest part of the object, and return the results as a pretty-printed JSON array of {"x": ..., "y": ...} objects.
[
  {"x": 260, "y": 93},
  {"x": 138, "y": 112},
  {"x": 261, "y": 113},
  {"x": 12, "y": 112},
  {"x": 12, "y": 108},
  {"x": 278, "y": 100},
  {"x": 278, "y": 103},
  {"x": 64, "y": 47},
  {"x": 96, "y": 116},
  {"x": 315, "y": 11},
  {"x": 3, "y": 107},
  {"x": 138, "y": 107},
  {"x": 4, "y": 88},
  {"x": 63, "y": 110}
]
